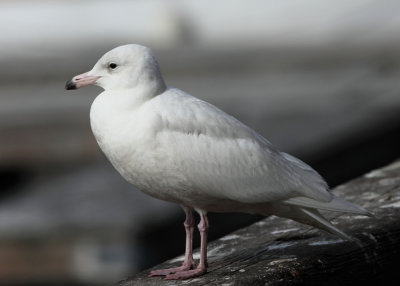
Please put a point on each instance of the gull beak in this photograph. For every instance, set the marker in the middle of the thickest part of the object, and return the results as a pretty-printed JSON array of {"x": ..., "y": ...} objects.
[{"x": 81, "y": 80}]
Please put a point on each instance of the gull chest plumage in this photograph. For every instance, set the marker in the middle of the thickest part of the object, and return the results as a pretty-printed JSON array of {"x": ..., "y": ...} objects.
[
  {"x": 126, "y": 129},
  {"x": 181, "y": 149}
]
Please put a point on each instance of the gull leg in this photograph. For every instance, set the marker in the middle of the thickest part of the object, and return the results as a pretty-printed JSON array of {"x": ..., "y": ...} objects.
[
  {"x": 202, "y": 267},
  {"x": 188, "y": 262}
]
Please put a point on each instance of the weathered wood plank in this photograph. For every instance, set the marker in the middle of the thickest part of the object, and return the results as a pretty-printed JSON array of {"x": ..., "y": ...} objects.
[{"x": 276, "y": 251}]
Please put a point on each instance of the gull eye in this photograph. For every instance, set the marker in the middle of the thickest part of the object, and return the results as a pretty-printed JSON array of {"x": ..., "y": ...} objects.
[{"x": 112, "y": 66}]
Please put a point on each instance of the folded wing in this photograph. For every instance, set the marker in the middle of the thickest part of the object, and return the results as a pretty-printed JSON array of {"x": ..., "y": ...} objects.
[{"x": 222, "y": 158}]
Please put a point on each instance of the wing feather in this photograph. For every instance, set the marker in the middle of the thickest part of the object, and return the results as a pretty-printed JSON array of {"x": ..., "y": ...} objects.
[{"x": 222, "y": 158}]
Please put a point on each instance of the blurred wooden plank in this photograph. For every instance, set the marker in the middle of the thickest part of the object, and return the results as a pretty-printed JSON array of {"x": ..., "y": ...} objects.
[
  {"x": 276, "y": 251},
  {"x": 46, "y": 146}
]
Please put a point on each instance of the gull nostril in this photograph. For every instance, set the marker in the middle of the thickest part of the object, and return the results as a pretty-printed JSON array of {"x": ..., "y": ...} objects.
[{"x": 77, "y": 78}]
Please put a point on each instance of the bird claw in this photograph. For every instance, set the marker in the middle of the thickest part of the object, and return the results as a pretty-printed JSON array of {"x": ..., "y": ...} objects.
[
  {"x": 181, "y": 275},
  {"x": 168, "y": 271}
]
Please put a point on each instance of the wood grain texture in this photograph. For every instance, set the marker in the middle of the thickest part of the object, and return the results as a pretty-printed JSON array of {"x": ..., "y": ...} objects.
[{"x": 277, "y": 251}]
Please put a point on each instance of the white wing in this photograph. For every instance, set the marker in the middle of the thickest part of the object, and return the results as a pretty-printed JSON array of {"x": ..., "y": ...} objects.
[{"x": 222, "y": 158}]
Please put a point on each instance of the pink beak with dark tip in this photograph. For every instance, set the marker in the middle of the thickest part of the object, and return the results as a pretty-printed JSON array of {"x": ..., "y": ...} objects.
[{"x": 81, "y": 80}]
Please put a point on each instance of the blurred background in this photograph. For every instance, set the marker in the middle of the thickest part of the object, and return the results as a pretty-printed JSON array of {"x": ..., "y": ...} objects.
[{"x": 319, "y": 79}]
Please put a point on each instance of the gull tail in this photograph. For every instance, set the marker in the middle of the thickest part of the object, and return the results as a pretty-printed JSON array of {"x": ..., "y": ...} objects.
[
  {"x": 307, "y": 212},
  {"x": 336, "y": 205},
  {"x": 314, "y": 218},
  {"x": 308, "y": 216}
]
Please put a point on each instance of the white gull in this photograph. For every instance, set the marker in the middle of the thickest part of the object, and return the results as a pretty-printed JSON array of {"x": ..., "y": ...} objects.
[{"x": 178, "y": 148}]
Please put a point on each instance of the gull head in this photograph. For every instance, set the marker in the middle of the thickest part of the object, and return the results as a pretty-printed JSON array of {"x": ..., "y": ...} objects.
[{"x": 125, "y": 67}]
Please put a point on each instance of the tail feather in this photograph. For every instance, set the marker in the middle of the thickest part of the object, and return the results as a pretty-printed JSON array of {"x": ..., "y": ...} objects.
[
  {"x": 336, "y": 204},
  {"x": 316, "y": 219},
  {"x": 307, "y": 216}
]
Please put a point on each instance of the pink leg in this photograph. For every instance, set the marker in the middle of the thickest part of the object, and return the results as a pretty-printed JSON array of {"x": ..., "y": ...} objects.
[
  {"x": 202, "y": 267},
  {"x": 188, "y": 262}
]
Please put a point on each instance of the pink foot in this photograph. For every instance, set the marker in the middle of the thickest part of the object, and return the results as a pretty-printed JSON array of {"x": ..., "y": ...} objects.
[
  {"x": 162, "y": 272},
  {"x": 186, "y": 274}
]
